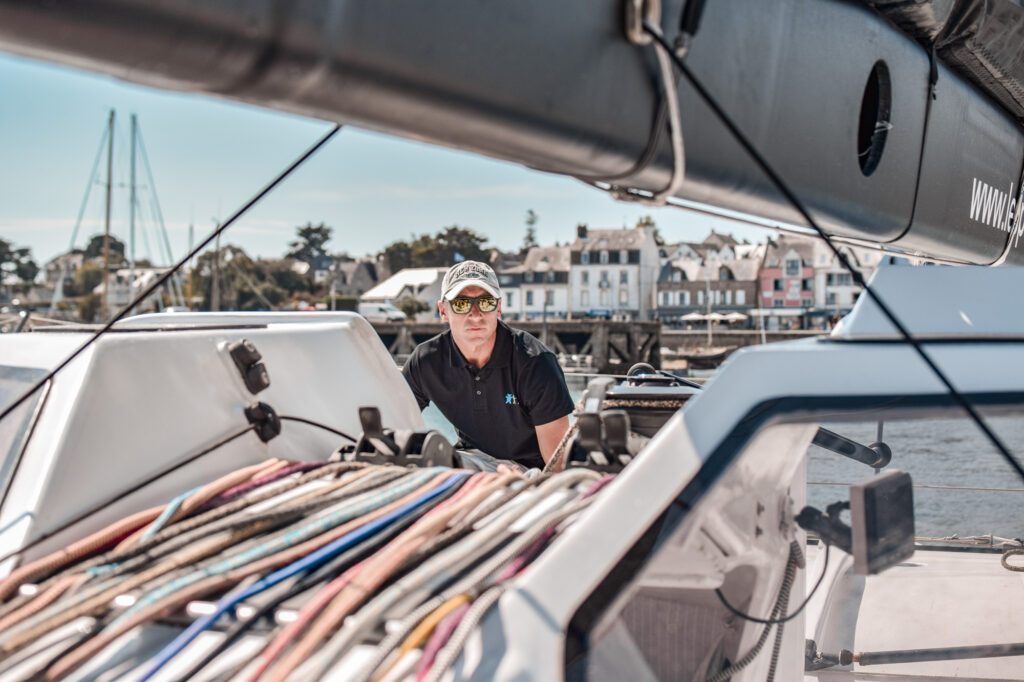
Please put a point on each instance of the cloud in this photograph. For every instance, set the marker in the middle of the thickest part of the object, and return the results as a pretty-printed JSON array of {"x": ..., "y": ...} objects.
[
  {"x": 32, "y": 225},
  {"x": 418, "y": 193},
  {"x": 266, "y": 227}
]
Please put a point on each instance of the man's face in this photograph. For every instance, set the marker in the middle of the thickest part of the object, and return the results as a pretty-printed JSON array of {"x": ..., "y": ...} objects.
[{"x": 474, "y": 327}]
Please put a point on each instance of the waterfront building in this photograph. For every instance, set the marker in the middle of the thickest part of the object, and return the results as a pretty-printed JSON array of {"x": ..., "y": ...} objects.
[
  {"x": 354, "y": 277},
  {"x": 613, "y": 273},
  {"x": 538, "y": 287},
  {"x": 67, "y": 263},
  {"x": 715, "y": 277},
  {"x": 834, "y": 287},
  {"x": 787, "y": 278}
]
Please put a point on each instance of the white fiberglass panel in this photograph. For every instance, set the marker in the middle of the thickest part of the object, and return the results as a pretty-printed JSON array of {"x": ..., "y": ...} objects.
[{"x": 139, "y": 402}]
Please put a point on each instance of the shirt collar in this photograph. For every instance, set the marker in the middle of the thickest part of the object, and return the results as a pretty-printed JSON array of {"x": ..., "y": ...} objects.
[{"x": 499, "y": 355}]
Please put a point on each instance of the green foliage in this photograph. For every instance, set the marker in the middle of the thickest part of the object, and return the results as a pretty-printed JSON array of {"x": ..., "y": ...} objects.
[
  {"x": 438, "y": 250},
  {"x": 398, "y": 256},
  {"x": 17, "y": 261},
  {"x": 411, "y": 306},
  {"x": 94, "y": 249},
  {"x": 530, "y": 238},
  {"x": 280, "y": 272},
  {"x": 349, "y": 303},
  {"x": 88, "y": 307},
  {"x": 247, "y": 284},
  {"x": 310, "y": 243},
  {"x": 87, "y": 278}
]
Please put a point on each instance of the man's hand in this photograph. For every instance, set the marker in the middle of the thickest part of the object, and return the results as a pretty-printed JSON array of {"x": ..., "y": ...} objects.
[{"x": 549, "y": 435}]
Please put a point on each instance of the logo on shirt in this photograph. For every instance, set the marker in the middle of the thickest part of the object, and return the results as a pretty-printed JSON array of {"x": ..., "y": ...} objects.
[{"x": 511, "y": 399}]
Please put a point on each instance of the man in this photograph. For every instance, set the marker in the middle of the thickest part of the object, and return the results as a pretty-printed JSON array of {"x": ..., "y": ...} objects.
[{"x": 501, "y": 388}]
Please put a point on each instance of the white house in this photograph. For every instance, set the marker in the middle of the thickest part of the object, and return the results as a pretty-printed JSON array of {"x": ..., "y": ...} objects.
[
  {"x": 834, "y": 288},
  {"x": 537, "y": 287},
  {"x": 613, "y": 272},
  {"x": 420, "y": 283}
]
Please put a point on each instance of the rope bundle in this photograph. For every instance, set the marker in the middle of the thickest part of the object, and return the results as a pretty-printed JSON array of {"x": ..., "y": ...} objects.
[{"x": 357, "y": 545}]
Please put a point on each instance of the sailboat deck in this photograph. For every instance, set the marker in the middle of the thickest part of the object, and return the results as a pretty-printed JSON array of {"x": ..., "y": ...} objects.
[{"x": 938, "y": 598}]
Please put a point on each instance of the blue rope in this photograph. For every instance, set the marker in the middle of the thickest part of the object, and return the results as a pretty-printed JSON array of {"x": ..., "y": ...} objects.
[
  {"x": 169, "y": 511},
  {"x": 313, "y": 560},
  {"x": 281, "y": 542}
]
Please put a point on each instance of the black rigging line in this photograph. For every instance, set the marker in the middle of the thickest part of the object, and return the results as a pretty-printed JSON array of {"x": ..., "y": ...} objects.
[
  {"x": 167, "y": 275},
  {"x": 120, "y": 496},
  {"x": 785, "y": 619},
  {"x": 325, "y": 427},
  {"x": 776, "y": 180}
]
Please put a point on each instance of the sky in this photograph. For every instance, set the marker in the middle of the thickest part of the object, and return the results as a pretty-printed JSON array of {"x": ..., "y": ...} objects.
[{"x": 209, "y": 156}]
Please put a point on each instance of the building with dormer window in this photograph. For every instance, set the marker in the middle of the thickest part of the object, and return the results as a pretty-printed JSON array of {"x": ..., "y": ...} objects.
[
  {"x": 537, "y": 287},
  {"x": 613, "y": 272}
]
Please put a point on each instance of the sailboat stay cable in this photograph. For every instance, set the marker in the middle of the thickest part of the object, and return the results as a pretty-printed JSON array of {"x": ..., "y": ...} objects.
[
  {"x": 176, "y": 281},
  {"x": 159, "y": 281},
  {"x": 791, "y": 197},
  {"x": 59, "y": 292}
]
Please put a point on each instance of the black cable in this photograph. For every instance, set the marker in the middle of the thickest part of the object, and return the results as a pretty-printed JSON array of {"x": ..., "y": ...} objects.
[
  {"x": 302, "y": 420},
  {"x": 779, "y": 621},
  {"x": 120, "y": 496},
  {"x": 857, "y": 278},
  {"x": 167, "y": 275}
]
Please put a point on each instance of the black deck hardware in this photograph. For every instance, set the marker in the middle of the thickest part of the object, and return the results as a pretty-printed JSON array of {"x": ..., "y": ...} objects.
[
  {"x": 378, "y": 445},
  {"x": 247, "y": 360}
]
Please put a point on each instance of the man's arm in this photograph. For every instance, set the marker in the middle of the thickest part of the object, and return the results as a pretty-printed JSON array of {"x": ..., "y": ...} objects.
[{"x": 550, "y": 434}]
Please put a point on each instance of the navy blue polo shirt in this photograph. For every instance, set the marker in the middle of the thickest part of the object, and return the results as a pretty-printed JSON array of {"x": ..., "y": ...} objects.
[{"x": 494, "y": 408}]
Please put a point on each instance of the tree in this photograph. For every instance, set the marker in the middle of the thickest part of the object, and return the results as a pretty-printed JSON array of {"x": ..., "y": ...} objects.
[
  {"x": 439, "y": 250},
  {"x": 411, "y": 306},
  {"x": 88, "y": 307},
  {"x": 530, "y": 239},
  {"x": 87, "y": 278},
  {"x": 310, "y": 243},
  {"x": 17, "y": 261},
  {"x": 398, "y": 256},
  {"x": 94, "y": 249}
]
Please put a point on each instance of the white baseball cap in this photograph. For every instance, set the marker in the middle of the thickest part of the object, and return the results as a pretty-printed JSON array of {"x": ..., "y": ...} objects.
[{"x": 469, "y": 273}]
